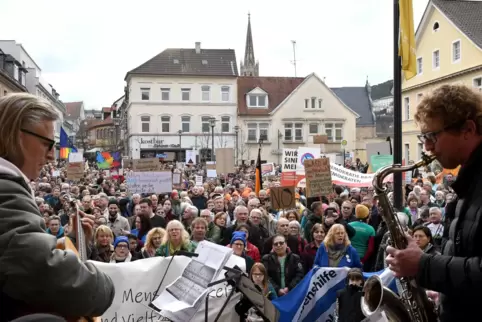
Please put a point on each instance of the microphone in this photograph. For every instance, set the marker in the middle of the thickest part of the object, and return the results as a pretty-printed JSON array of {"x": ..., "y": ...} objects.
[{"x": 184, "y": 253}]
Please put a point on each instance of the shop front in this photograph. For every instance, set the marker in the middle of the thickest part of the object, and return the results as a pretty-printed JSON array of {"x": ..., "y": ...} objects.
[{"x": 156, "y": 148}]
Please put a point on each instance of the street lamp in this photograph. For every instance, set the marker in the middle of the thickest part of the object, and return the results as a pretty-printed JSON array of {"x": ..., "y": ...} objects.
[
  {"x": 236, "y": 131},
  {"x": 180, "y": 135},
  {"x": 212, "y": 122}
]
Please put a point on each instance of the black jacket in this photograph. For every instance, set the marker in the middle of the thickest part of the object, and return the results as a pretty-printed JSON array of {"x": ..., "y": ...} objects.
[
  {"x": 294, "y": 272},
  {"x": 349, "y": 304},
  {"x": 457, "y": 274}
]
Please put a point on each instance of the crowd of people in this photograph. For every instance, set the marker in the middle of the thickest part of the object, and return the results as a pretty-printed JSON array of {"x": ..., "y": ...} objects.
[{"x": 279, "y": 247}]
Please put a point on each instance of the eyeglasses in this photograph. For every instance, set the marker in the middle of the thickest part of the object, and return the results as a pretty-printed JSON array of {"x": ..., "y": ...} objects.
[
  {"x": 432, "y": 136},
  {"x": 122, "y": 246},
  {"x": 50, "y": 141},
  {"x": 277, "y": 244}
]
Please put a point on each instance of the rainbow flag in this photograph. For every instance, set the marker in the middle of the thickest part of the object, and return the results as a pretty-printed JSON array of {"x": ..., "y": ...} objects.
[{"x": 66, "y": 145}]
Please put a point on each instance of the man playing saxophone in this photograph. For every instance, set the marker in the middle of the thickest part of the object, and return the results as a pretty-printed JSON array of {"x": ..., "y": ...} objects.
[{"x": 450, "y": 119}]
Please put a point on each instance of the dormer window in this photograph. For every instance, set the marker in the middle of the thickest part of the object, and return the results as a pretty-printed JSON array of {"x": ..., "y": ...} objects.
[{"x": 257, "y": 100}]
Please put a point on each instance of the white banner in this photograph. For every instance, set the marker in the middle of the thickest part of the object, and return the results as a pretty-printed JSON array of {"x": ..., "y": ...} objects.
[
  {"x": 136, "y": 286},
  {"x": 306, "y": 154}
]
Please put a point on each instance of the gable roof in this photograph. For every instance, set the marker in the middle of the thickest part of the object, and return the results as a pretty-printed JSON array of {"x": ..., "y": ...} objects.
[
  {"x": 73, "y": 110},
  {"x": 277, "y": 88},
  {"x": 187, "y": 62},
  {"x": 358, "y": 100},
  {"x": 465, "y": 15}
]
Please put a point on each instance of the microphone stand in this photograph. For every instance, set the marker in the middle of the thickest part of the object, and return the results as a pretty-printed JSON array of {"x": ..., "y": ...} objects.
[{"x": 231, "y": 280}]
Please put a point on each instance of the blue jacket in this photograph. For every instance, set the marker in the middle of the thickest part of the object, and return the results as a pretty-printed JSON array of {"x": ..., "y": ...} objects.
[{"x": 350, "y": 259}]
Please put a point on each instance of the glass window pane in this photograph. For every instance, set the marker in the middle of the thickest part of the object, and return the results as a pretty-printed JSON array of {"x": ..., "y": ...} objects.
[
  {"x": 165, "y": 118},
  {"x": 262, "y": 100},
  {"x": 253, "y": 101}
]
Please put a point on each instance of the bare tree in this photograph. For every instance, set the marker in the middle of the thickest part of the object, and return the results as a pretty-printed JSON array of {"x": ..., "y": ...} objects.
[
  {"x": 222, "y": 139},
  {"x": 242, "y": 149}
]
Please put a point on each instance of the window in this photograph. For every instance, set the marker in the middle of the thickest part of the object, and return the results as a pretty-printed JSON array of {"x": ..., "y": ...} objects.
[
  {"x": 205, "y": 93},
  {"x": 307, "y": 102},
  {"x": 419, "y": 65},
  {"x": 185, "y": 94},
  {"x": 338, "y": 132},
  {"x": 257, "y": 100},
  {"x": 165, "y": 94},
  {"x": 186, "y": 124},
  {"x": 406, "y": 104},
  {"x": 313, "y": 128},
  {"x": 205, "y": 124},
  {"x": 420, "y": 150},
  {"x": 419, "y": 97},
  {"x": 456, "y": 51},
  {"x": 319, "y": 103},
  {"x": 145, "y": 123},
  {"x": 313, "y": 102},
  {"x": 477, "y": 83},
  {"x": 252, "y": 132},
  {"x": 436, "y": 59},
  {"x": 334, "y": 131},
  {"x": 165, "y": 124},
  {"x": 407, "y": 152},
  {"x": 293, "y": 131},
  {"x": 258, "y": 132},
  {"x": 263, "y": 131},
  {"x": 225, "y": 124},
  {"x": 436, "y": 26},
  {"x": 225, "y": 93},
  {"x": 145, "y": 94}
]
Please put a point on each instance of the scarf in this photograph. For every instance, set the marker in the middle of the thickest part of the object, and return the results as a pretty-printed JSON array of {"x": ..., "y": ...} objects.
[{"x": 335, "y": 253}]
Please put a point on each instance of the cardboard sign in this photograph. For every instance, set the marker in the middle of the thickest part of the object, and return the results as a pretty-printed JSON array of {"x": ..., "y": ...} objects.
[
  {"x": 224, "y": 160},
  {"x": 320, "y": 139},
  {"x": 75, "y": 171},
  {"x": 146, "y": 165},
  {"x": 282, "y": 197},
  {"x": 318, "y": 177}
]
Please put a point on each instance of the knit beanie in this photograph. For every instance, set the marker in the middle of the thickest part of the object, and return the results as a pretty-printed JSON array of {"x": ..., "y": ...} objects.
[
  {"x": 239, "y": 235},
  {"x": 121, "y": 239},
  {"x": 113, "y": 202},
  {"x": 361, "y": 212}
]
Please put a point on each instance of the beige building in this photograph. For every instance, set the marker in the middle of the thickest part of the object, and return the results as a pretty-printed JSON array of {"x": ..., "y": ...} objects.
[
  {"x": 287, "y": 112},
  {"x": 12, "y": 75},
  {"x": 449, "y": 51}
]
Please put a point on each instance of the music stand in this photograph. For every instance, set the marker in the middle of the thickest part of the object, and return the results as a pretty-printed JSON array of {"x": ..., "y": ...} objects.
[{"x": 243, "y": 284}]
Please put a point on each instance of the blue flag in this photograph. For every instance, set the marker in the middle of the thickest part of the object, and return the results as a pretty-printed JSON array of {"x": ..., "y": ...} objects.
[
  {"x": 314, "y": 298},
  {"x": 65, "y": 142}
]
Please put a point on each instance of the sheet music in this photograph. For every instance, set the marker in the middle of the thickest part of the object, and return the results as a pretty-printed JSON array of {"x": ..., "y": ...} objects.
[{"x": 182, "y": 299}]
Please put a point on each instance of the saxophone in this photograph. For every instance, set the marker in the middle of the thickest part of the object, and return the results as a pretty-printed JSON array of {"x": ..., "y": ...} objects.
[{"x": 413, "y": 304}]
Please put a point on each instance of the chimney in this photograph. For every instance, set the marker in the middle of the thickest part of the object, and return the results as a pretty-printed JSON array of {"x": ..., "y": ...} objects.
[{"x": 198, "y": 47}]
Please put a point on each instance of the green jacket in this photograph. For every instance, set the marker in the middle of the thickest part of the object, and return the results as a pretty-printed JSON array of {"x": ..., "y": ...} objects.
[{"x": 163, "y": 250}]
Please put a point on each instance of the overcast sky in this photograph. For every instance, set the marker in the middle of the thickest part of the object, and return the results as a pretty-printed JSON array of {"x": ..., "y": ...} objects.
[{"x": 86, "y": 47}]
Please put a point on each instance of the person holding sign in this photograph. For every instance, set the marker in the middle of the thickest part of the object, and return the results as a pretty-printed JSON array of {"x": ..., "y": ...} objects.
[{"x": 35, "y": 276}]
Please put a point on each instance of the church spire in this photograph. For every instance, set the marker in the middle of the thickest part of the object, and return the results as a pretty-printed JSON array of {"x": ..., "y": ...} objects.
[{"x": 250, "y": 66}]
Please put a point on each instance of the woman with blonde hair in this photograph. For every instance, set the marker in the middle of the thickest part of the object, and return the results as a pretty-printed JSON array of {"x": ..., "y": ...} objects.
[
  {"x": 176, "y": 238},
  {"x": 103, "y": 242},
  {"x": 336, "y": 250},
  {"x": 153, "y": 242}
]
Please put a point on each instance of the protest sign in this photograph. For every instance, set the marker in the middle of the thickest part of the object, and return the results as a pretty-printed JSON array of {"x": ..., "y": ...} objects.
[
  {"x": 290, "y": 159},
  {"x": 149, "y": 182},
  {"x": 146, "y": 165},
  {"x": 306, "y": 154},
  {"x": 318, "y": 177},
  {"x": 267, "y": 169},
  {"x": 75, "y": 171},
  {"x": 136, "y": 286},
  {"x": 282, "y": 197}
]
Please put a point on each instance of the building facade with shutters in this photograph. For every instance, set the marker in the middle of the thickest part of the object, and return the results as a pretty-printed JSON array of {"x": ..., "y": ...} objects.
[{"x": 179, "y": 100}]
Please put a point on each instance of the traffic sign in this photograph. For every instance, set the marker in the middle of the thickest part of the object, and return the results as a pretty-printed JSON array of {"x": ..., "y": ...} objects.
[{"x": 344, "y": 142}]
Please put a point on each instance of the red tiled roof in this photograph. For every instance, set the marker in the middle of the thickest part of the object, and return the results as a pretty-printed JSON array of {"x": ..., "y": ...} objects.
[
  {"x": 278, "y": 88},
  {"x": 106, "y": 109},
  {"x": 73, "y": 109},
  {"x": 96, "y": 123}
]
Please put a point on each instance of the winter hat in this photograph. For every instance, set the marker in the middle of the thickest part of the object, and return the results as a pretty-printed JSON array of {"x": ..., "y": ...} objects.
[
  {"x": 121, "y": 239},
  {"x": 361, "y": 212},
  {"x": 239, "y": 235},
  {"x": 354, "y": 273},
  {"x": 174, "y": 193},
  {"x": 113, "y": 202}
]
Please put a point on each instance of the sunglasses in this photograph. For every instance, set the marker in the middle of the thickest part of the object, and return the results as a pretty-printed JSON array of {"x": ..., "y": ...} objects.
[{"x": 50, "y": 142}]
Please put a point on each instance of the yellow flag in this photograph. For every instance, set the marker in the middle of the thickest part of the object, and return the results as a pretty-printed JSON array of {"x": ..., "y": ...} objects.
[{"x": 407, "y": 39}]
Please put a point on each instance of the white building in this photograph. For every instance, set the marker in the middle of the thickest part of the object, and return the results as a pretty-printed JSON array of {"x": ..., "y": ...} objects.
[
  {"x": 173, "y": 99},
  {"x": 287, "y": 112},
  {"x": 34, "y": 83}
]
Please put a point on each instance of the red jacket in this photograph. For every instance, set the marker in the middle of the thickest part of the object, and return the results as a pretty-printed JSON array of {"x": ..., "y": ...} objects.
[{"x": 252, "y": 251}]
